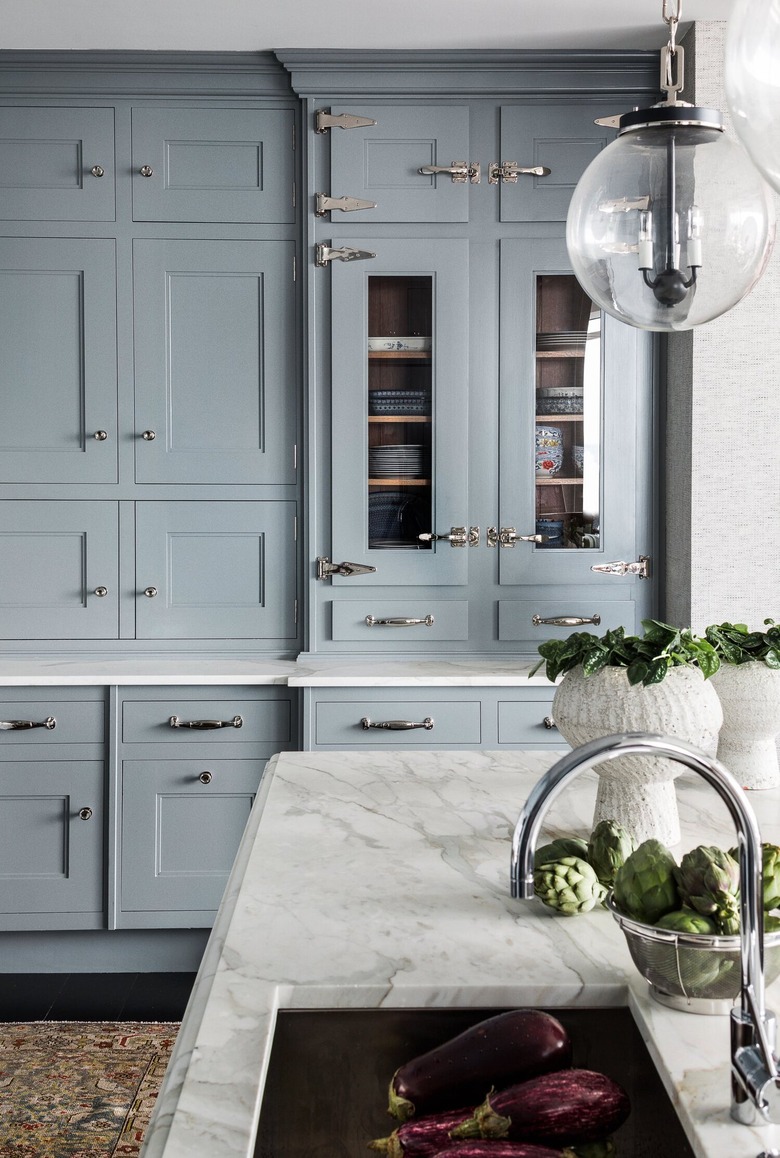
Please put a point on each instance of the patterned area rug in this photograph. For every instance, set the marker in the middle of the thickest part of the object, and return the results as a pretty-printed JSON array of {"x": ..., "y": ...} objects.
[{"x": 79, "y": 1089}]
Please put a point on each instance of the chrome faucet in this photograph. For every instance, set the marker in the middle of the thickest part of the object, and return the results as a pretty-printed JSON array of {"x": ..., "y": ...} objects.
[{"x": 755, "y": 1081}]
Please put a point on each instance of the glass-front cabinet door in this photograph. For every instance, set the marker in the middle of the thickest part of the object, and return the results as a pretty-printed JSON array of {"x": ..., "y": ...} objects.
[
  {"x": 399, "y": 424},
  {"x": 571, "y": 470}
]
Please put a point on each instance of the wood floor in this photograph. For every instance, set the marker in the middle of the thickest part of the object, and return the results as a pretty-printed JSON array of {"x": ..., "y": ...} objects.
[{"x": 94, "y": 996}]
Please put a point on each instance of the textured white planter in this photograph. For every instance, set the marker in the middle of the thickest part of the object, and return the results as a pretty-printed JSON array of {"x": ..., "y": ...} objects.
[
  {"x": 750, "y": 696},
  {"x": 638, "y": 791}
]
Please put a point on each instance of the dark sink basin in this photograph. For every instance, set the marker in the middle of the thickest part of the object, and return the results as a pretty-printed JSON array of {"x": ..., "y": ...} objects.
[{"x": 326, "y": 1093}]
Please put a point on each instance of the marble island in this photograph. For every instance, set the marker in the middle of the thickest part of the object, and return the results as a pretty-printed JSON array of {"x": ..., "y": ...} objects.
[{"x": 381, "y": 880}]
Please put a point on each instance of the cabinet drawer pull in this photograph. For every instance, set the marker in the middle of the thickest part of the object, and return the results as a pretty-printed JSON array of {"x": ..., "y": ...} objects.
[
  {"x": 85, "y": 813},
  {"x": 549, "y": 723},
  {"x": 565, "y": 620},
  {"x": 459, "y": 171},
  {"x": 397, "y": 725},
  {"x": 23, "y": 725},
  {"x": 371, "y": 621},
  {"x": 206, "y": 725},
  {"x": 205, "y": 777}
]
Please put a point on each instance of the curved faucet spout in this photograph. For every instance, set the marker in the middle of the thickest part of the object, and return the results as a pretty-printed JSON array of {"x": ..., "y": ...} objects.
[{"x": 752, "y": 1027}]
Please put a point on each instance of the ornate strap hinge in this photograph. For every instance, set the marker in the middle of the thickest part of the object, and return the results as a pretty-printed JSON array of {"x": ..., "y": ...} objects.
[
  {"x": 641, "y": 568},
  {"x": 346, "y": 253},
  {"x": 326, "y": 204},
  {"x": 324, "y": 121}
]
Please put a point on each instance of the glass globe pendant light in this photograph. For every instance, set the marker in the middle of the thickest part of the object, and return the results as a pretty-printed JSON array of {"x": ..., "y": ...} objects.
[
  {"x": 670, "y": 225},
  {"x": 752, "y": 79}
]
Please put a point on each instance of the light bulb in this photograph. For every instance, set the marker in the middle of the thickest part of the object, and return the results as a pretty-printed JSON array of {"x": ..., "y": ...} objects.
[{"x": 752, "y": 79}]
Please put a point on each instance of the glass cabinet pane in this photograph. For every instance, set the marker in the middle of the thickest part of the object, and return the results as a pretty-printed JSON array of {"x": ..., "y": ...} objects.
[
  {"x": 400, "y": 412},
  {"x": 568, "y": 415}
]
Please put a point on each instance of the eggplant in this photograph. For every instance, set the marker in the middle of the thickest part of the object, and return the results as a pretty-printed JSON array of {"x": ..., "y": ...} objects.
[
  {"x": 566, "y": 1107},
  {"x": 482, "y": 1148},
  {"x": 423, "y": 1137},
  {"x": 500, "y": 1051}
]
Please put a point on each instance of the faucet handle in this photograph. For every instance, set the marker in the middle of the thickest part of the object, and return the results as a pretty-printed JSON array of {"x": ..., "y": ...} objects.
[{"x": 755, "y": 1080}]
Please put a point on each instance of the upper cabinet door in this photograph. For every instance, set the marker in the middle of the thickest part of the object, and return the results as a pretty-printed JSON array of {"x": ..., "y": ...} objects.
[
  {"x": 561, "y": 138},
  {"x": 381, "y": 163},
  {"x": 213, "y": 165},
  {"x": 400, "y": 410},
  {"x": 58, "y": 338},
  {"x": 56, "y": 164},
  {"x": 214, "y": 361}
]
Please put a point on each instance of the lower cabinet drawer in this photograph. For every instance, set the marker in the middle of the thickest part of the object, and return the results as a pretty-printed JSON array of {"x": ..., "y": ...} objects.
[
  {"x": 211, "y": 721},
  {"x": 426, "y": 722},
  {"x": 400, "y": 620},
  {"x": 534, "y": 619},
  {"x": 51, "y": 721},
  {"x": 528, "y": 722}
]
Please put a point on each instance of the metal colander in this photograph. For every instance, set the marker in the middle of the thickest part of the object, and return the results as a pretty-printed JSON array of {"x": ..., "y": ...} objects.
[{"x": 697, "y": 972}]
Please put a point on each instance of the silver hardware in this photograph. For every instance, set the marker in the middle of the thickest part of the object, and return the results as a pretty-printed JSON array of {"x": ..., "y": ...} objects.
[
  {"x": 25, "y": 725},
  {"x": 97, "y": 170},
  {"x": 397, "y": 725},
  {"x": 101, "y": 592},
  {"x": 509, "y": 171},
  {"x": 508, "y": 536},
  {"x": 755, "y": 1083},
  {"x": 206, "y": 725},
  {"x": 148, "y": 436},
  {"x": 325, "y": 568},
  {"x": 150, "y": 592},
  {"x": 624, "y": 204},
  {"x": 371, "y": 621},
  {"x": 565, "y": 620},
  {"x": 458, "y": 537},
  {"x": 641, "y": 567},
  {"x": 326, "y": 204},
  {"x": 85, "y": 813},
  {"x": 205, "y": 778},
  {"x": 459, "y": 171},
  {"x": 100, "y": 435},
  {"x": 146, "y": 171},
  {"x": 324, "y": 254},
  {"x": 325, "y": 120},
  {"x": 549, "y": 723}
]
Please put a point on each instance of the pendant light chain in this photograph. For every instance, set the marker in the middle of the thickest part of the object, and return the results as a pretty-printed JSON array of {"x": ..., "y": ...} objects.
[{"x": 671, "y": 53}]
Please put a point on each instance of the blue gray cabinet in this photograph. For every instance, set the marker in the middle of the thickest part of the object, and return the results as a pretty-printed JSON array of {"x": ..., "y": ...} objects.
[
  {"x": 58, "y": 337},
  {"x": 214, "y": 361}
]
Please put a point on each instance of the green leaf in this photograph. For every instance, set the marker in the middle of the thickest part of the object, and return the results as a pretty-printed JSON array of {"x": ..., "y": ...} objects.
[
  {"x": 772, "y": 658},
  {"x": 658, "y": 669},
  {"x": 594, "y": 661},
  {"x": 637, "y": 673}
]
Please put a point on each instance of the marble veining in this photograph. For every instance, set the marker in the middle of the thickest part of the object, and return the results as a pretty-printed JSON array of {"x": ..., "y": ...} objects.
[{"x": 382, "y": 880}]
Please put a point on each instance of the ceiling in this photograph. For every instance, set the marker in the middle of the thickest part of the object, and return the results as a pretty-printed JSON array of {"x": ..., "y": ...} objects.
[{"x": 254, "y": 25}]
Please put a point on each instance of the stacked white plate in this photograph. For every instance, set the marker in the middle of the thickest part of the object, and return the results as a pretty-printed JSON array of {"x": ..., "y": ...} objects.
[
  {"x": 561, "y": 340},
  {"x": 404, "y": 460}
]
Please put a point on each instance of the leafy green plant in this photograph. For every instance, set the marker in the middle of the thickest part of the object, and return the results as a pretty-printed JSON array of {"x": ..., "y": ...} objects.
[
  {"x": 647, "y": 658},
  {"x": 735, "y": 644}
]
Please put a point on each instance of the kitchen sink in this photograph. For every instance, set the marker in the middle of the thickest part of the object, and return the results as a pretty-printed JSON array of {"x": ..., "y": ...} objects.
[{"x": 326, "y": 1092}]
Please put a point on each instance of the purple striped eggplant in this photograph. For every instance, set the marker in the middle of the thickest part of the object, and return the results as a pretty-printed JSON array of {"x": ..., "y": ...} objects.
[
  {"x": 422, "y": 1137},
  {"x": 562, "y": 1108},
  {"x": 482, "y": 1148},
  {"x": 500, "y": 1051}
]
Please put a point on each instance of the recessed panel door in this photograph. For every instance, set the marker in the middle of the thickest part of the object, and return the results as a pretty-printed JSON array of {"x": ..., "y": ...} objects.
[
  {"x": 59, "y": 367},
  {"x": 381, "y": 163},
  {"x": 216, "y": 570},
  {"x": 215, "y": 361},
  {"x": 213, "y": 165}
]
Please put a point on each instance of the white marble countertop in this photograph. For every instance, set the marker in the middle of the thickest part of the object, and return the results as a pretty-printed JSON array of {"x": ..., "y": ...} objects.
[
  {"x": 497, "y": 672},
  {"x": 385, "y": 883}
]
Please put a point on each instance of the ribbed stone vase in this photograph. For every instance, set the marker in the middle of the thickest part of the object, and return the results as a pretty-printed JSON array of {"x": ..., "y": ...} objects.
[
  {"x": 750, "y": 696},
  {"x": 638, "y": 791}
]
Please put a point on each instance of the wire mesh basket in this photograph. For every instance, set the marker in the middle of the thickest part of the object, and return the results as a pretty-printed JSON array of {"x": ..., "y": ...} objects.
[{"x": 697, "y": 972}]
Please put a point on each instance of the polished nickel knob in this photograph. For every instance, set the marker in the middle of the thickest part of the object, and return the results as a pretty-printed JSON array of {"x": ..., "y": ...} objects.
[
  {"x": 146, "y": 171},
  {"x": 150, "y": 592},
  {"x": 101, "y": 591},
  {"x": 205, "y": 778},
  {"x": 85, "y": 813},
  {"x": 100, "y": 435},
  {"x": 549, "y": 722},
  {"x": 148, "y": 436},
  {"x": 97, "y": 170}
]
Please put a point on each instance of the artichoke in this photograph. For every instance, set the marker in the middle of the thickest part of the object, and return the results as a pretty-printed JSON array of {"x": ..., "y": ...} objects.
[
  {"x": 609, "y": 846},
  {"x": 771, "y": 923},
  {"x": 708, "y": 880},
  {"x": 561, "y": 846},
  {"x": 771, "y": 868},
  {"x": 645, "y": 886},
  {"x": 686, "y": 921},
  {"x": 569, "y": 885}
]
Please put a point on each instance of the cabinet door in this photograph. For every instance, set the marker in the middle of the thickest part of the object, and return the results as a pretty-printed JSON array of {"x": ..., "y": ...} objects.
[
  {"x": 399, "y": 433},
  {"x": 58, "y": 570},
  {"x": 56, "y": 164},
  {"x": 213, "y": 165},
  {"x": 214, "y": 361},
  {"x": 58, "y": 337},
  {"x": 215, "y": 570},
  {"x": 182, "y": 822},
  {"x": 382, "y": 162},
  {"x": 575, "y": 436},
  {"x": 51, "y": 836},
  {"x": 562, "y": 138}
]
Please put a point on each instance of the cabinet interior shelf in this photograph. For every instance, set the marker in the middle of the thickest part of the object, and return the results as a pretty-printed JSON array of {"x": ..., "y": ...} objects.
[
  {"x": 400, "y": 355},
  {"x": 556, "y": 480},
  {"x": 400, "y": 481},
  {"x": 399, "y": 418},
  {"x": 559, "y": 418},
  {"x": 560, "y": 353}
]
